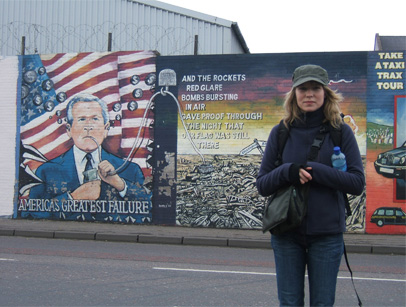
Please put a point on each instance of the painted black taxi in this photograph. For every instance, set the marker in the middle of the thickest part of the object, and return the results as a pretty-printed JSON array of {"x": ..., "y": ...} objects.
[
  {"x": 388, "y": 216},
  {"x": 392, "y": 163}
]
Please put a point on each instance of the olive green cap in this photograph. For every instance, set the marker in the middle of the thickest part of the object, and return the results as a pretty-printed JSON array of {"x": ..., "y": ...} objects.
[{"x": 310, "y": 72}]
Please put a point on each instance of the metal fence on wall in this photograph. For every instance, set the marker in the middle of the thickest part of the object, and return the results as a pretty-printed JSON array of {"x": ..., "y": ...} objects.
[{"x": 24, "y": 38}]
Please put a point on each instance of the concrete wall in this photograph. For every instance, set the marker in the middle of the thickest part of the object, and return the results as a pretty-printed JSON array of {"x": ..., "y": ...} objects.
[{"x": 202, "y": 141}]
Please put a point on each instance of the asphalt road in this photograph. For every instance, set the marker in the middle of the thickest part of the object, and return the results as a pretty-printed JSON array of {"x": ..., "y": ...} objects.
[{"x": 48, "y": 272}]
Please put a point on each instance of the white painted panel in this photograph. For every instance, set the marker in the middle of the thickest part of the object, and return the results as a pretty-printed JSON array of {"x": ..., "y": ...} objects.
[{"x": 8, "y": 92}]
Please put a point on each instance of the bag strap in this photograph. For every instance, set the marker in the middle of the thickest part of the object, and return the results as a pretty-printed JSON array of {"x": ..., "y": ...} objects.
[
  {"x": 352, "y": 278},
  {"x": 283, "y": 134},
  {"x": 317, "y": 142},
  {"x": 347, "y": 205}
]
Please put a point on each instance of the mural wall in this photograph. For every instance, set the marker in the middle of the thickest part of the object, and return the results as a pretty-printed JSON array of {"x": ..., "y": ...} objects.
[
  {"x": 386, "y": 141},
  {"x": 182, "y": 137},
  {"x": 79, "y": 113},
  {"x": 227, "y": 108}
]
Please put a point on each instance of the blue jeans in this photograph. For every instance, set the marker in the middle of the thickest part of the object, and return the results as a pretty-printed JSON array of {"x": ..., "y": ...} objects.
[{"x": 322, "y": 256}]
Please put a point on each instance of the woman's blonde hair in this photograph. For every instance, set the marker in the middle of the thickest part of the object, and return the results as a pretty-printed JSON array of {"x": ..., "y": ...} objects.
[{"x": 332, "y": 112}]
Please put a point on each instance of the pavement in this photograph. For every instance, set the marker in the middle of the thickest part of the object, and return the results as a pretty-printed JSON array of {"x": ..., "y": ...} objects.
[{"x": 181, "y": 235}]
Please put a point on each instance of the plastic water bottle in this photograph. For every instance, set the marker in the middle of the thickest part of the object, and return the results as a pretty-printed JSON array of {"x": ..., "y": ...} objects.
[{"x": 338, "y": 159}]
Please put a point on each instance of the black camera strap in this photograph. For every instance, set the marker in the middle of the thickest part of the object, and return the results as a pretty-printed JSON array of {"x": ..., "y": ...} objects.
[{"x": 352, "y": 278}]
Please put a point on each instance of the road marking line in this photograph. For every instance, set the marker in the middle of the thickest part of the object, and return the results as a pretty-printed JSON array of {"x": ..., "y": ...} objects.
[
  {"x": 5, "y": 259},
  {"x": 215, "y": 271},
  {"x": 374, "y": 279},
  {"x": 270, "y": 274}
]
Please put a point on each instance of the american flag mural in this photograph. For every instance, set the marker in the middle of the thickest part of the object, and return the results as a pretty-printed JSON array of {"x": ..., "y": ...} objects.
[{"x": 124, "y": 80}]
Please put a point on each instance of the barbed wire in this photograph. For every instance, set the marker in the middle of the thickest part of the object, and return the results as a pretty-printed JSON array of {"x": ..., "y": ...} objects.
[{"x": 58, "y": 38}]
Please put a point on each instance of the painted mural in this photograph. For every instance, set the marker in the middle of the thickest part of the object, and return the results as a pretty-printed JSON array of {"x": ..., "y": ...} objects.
[
  {"x": 178, "y": 140},
  {"x": 227, "y": 108},
  {"x": 83, "y": 136},
  {"x": 386, "y": 141}
]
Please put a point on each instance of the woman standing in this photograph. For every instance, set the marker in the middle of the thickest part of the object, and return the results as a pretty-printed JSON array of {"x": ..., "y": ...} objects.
[{"x": 318, "y": 242}]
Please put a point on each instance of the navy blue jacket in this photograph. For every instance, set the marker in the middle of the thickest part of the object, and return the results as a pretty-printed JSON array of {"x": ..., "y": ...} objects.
[{"x": 326, "y": 206}]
